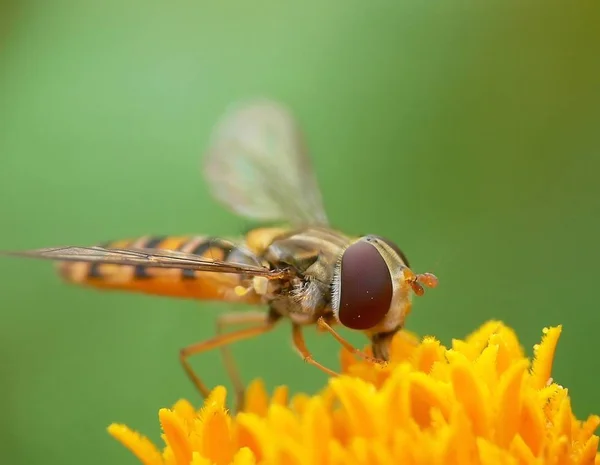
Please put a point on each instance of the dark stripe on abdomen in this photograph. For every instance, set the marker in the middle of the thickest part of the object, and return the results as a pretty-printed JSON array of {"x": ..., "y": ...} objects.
[
  {"x": 229, "y": 252},
  {"x": 198, "y": 250},
  {"x": 94, "y": 271},
  {"x": 140, "y": 271}
]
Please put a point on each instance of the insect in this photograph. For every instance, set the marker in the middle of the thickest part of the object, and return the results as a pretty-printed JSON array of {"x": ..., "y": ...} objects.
[{"x": 303, "y": 271}]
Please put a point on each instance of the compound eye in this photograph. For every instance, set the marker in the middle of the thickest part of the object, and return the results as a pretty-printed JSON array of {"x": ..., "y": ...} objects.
[
  {"x": 395, "y": 248},
  {"x": 365, "y": 287}
]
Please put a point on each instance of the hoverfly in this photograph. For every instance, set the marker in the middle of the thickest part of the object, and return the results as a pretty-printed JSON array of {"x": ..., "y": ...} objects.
[{"x": 257, "y": 165}]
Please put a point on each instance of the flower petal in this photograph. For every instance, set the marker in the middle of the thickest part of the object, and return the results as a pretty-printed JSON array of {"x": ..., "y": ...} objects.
[
  {"x": 509, "y": 403},
  {"x": 244, "y": 457},
  {"x": 140, "y": 445},
  {"x": 176, "y": 436},
  {"x": 471, "y": 393},
  {"x": 256, "y": 399},
  {"x": 544, "y": 356}
]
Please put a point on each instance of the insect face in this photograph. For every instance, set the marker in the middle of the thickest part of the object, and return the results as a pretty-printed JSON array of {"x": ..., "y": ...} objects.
[{"x": 372, "y": 284}]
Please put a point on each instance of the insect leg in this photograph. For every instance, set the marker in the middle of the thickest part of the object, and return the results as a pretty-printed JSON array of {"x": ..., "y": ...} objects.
[
  {"x": 214, "y": 343},
  {"x": 321, "y": 323},
  {"x": 300, "y": 345},
  {"x": 224, "y": 321}
]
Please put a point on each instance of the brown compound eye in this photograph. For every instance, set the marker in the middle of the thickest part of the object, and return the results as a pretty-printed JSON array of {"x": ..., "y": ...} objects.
[
  {"x": 366, "y": 288},
  {"x": 395, "y": 248}
]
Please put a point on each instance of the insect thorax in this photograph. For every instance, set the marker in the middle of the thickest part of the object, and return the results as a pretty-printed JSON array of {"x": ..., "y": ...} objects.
[{"x": 312, "y": 254}]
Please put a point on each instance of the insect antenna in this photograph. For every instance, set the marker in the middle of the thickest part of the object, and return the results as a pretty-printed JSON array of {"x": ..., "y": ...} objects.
[{"x": 417, "y": 281}]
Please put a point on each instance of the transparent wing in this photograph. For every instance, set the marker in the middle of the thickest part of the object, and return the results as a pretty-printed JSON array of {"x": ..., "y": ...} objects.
[
  {"x": 257, "y": 165},
  {"x": 152, "y": 258}
]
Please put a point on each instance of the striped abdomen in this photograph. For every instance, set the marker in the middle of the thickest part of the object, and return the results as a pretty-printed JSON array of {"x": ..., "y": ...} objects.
[{"x": 167, "y": 282}]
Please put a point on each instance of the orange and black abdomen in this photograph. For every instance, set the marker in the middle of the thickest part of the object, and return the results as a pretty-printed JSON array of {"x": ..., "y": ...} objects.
[{"x": 190, "y": 284}]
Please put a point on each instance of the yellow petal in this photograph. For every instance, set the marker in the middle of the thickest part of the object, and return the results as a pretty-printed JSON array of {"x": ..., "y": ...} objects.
[
  {"x": 403, "y": 346},
  {"x": 299, "y": 402},
  {"x": 427, "y": 394},
  {"x": 197, "y": 459},
  {"x": 486, "y": 364},
  {"x": 185, "y": 410},
  {"x": 176, "y": 436},
  {"x": 281, "y": 395},
  {"x": 532, "y": 427},
  {"x": 214, "y": 403},
  {"x": 316, "y": 432},
  {"x": 509, "y": 403},
  {"x": 471, "y": 393},
  {"x": 141, "y": 446},
  {"x": 491, "y": 454},
  {"x": 509, "y": 348},
  {"x": 558, "y": 452},
  {"x": 588, "y": 427},
  {"x": 217, "y": 438},
  {"x": 589, "y": 452},
  {"x": 347, "y": 361},
  {"x": 521, "y": 452},
  {"x": 256, "y": 399},
  {"x": 463, "y": 448},
  {"x": 544, "y": 357},
  {"x": 244, "y": 457},
  {"x": 561, "y": 425},
  {"x": 395, "y": 395},
  {"x": 357, "y": 396},
  {"x": 471, "y": 352},
  {"x": 253, "y": 432},
  {"x": 475, "y": 342},
  {"x": 426, "y": 354},
  {"x": 284, "y": 421}
]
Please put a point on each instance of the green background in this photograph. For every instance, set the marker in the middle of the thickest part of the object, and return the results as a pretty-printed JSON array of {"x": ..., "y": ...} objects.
[{"x": 466, "y": 131}]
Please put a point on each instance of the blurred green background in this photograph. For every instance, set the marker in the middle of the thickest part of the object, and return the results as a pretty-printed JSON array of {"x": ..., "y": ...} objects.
[{"x": 466, "y": 131}]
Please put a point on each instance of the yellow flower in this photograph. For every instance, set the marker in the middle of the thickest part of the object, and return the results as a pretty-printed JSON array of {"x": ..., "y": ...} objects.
[{"x": 479, "y": 402}]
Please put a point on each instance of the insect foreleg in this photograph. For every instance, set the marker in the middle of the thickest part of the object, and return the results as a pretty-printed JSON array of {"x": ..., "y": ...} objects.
[
  {"x": 300, "y": 345},
  {"x": 322, "y": 324}
]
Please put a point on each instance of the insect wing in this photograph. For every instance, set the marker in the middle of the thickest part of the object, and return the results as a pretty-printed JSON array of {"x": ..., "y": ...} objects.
[
  {"x": 152, "y": 258},
  {"x": 257, "y": 165}
]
